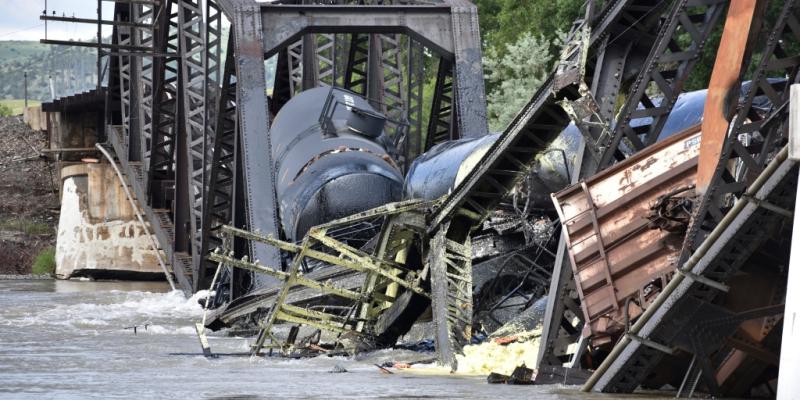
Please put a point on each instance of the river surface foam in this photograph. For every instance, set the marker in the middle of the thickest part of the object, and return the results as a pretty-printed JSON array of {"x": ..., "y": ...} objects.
[{"x": 74, "y": 340}]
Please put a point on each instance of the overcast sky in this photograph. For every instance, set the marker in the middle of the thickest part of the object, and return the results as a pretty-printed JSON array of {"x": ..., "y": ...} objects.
[{"x": 19, "y": 19}]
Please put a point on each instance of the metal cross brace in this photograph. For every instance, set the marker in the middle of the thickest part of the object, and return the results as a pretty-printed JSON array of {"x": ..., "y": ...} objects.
[{"x": 381, "y": 271}]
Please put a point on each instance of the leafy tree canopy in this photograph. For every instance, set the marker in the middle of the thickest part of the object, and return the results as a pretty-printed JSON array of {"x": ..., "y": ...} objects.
[
  {"x": 504, "y": 21},
  {"x": 515, "y": 75},
  {"x": 521, "y": 42}
]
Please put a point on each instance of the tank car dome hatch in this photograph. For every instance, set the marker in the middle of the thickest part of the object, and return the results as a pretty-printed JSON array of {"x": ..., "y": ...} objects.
[{"x": 332, "y": 159}]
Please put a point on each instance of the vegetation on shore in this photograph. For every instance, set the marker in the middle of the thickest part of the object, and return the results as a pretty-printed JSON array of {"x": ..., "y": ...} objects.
[
  {"x": 45, "y": 262},
  {"x": 26, "y": 226},
  {"x": 36, "y": 234},
  {"x": 11, "y": 107}
]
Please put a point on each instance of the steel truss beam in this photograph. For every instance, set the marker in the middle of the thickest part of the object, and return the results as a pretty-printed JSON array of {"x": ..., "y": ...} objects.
[
  {"x": 663, "y": 74},
  {"x": 450, "y": 29},
  {"x": 385, "y": 81},
  {"x": 256, "y": 173},
  {"x": 441, "y": 126},
  {"x": 213, "y": 104},
  {"x": 387, "y": 68},
  {"x": 151, "y": 183},
  {"x": 214, "y": 68},
  {"x": 752, "y": 147},
  {"x": 326, "y": 58},
  {"x": 283, "y": 87},
  {"x": 219, "y": 201},
  {"x": 192, "y": 97},
  {"x": 143, "y": 36},
  {"x": 512, "y": 156},
  {"x": 161, "y": 173},
  {"x": 752, "y": 138},
  {"x": 355, "y": 74},
  {"x": 177, "y": 89},
  {"x": 164, "y": 107},
  {"x": 563, "y": 320},
  {"x": 414, "y": 99},
  {"x": 661, "y": 60},
  {"x": 310, "y": 63},
  {"x": 128, "y": 87}
]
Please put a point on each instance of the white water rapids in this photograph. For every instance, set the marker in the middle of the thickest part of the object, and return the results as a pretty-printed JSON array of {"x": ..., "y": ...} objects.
[{"x": 72, "y": 340}]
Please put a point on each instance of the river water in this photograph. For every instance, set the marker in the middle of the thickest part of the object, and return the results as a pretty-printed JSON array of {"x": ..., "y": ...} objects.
[{"x": 72, "y": 340}]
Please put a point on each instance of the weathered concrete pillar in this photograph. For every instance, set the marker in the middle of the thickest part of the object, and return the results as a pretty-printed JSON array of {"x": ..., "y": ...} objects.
[
  {"x": 98, "y": 234},
  {"x": 35, "y": 118}
]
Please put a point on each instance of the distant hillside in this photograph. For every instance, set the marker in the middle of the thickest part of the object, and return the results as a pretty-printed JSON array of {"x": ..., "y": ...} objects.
[{"x": 73, "y": 69}]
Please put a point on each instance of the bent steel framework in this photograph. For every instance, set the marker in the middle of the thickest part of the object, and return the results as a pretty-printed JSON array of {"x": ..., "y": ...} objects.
[{"x": 189, "y": 110}]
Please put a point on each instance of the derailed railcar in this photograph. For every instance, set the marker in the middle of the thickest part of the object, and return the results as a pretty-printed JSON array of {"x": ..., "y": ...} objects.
[{"x": 624, "y": 228}]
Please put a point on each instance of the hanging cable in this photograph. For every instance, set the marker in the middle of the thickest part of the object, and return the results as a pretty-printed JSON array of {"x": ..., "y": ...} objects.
[{"x": 138, "y": 214}]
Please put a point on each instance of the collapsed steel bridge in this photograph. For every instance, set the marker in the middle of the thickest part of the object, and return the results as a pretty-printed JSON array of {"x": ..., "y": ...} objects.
[
  {"x": 189, "y": 116},
  {"x": 188, "y": 103}
]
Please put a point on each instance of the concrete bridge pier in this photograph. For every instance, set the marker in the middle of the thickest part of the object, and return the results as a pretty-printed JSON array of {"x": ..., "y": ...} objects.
[{"x": 98, "y": 233}]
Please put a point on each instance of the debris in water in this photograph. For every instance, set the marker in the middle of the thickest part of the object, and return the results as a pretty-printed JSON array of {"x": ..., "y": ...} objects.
[
  {"x": 425, "y": 345},
  {"x": 550, "y": 374},
  {"x": 522, "y": 375},
  {"x": 338, "y": 369},
  {"x": 494, "y": 377},
  {"x": 515, "y": 343},
  {"x": 136, "y": 327},
  {"x": 491, "y": 356},
  {"x": 383, "y": 369},
  {"x": 505, "y": 339},
  {"x": 406, "y": 364}
]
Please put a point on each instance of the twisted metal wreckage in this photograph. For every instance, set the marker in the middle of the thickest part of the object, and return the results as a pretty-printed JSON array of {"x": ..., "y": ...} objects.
[{"x": 664, "y": 259}]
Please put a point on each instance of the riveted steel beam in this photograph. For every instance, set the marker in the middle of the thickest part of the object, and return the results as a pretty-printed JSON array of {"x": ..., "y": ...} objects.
[
  {"x": 192, "y": 96},
  {"x": 450, "y": 29},
  {"x": 259, "y": 200},
  {"x": 726, "y": 227}
]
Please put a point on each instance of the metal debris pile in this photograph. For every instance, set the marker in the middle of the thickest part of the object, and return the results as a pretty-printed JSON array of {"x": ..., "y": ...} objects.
[{"x": 653, "y": 219}]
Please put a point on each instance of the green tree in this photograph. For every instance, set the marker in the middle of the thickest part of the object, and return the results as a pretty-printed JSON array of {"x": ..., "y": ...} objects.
[
  {"x": 521, "y": 41},
  {"x": 515, "y": 74},
  {"x": 5, "y": 111},
  {"x": 503, "y": 22}
]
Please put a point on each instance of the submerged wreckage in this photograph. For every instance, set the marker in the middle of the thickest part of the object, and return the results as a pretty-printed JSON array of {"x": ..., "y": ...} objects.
[{"x": 335, "y": 212}]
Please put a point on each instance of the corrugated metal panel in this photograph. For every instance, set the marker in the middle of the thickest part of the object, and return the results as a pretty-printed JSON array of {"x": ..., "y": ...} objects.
[{"x": 621, "y": 250}]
